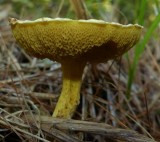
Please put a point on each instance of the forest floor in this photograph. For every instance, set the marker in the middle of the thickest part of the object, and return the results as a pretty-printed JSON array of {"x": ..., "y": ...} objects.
[{"x": 30, "y": 87}]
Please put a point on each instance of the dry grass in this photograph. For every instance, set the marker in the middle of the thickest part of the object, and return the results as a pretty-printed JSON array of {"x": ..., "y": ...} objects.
[{"x": 29, "y": 91}]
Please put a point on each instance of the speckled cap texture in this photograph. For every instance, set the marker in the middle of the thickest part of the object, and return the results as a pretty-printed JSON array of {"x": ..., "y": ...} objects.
[{"x": 64, "y": 39}]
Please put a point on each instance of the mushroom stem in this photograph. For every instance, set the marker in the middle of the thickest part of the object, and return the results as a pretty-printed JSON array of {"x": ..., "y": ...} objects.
[{"x": 70, "y": 95}]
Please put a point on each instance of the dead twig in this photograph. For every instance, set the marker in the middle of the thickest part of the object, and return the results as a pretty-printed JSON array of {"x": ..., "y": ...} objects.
[{"x": 94, "y": 128}]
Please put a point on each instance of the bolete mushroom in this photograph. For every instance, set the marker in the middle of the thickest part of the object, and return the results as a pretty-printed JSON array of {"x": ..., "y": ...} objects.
[{"x": 73, "y": 43}]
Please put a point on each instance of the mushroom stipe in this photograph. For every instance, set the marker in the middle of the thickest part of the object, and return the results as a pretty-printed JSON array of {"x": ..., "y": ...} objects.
[{"x": 73, "y": 43}]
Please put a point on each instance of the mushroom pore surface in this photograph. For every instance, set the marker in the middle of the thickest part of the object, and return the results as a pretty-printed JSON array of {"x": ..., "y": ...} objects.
[{"x": 65, "y": 39}]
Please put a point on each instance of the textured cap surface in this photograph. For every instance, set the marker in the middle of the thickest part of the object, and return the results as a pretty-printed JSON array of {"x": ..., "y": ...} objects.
[{"x": 63, "y": 39}]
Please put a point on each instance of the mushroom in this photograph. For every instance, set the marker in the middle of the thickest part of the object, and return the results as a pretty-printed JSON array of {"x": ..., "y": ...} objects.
[{"x": 73, "y": 43}]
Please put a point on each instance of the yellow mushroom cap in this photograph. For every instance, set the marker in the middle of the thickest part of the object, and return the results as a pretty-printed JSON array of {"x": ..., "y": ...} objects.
[{"x": 62, "y": 39}]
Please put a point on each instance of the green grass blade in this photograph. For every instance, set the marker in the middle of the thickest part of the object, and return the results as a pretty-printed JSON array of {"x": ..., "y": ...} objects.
[
  {"x": 139, "y": 50},
  {"x": 142, "y": 9}
]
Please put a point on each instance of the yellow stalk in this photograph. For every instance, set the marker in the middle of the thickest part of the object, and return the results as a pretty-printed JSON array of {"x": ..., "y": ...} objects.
[{"x": 70, "y": 95}]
